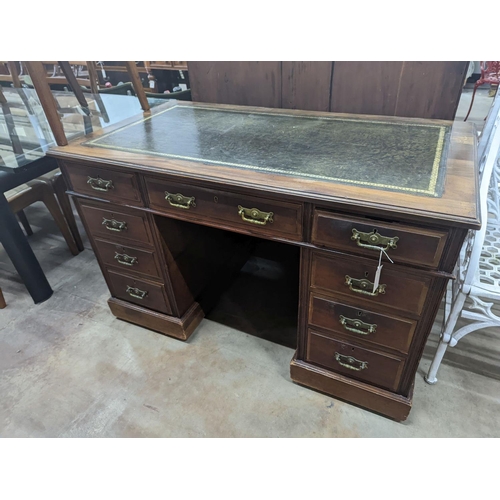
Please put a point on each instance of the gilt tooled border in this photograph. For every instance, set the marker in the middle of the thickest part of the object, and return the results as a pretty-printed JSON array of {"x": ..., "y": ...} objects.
[{"x": 431, "y": 190}]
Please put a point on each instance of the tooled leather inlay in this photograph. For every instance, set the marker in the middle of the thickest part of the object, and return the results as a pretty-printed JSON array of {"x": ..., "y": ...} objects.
[{"x": 400, "y": 156}]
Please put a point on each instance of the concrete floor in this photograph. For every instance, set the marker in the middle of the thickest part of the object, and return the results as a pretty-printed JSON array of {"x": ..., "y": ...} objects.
[{"x": 68, "y": 368}]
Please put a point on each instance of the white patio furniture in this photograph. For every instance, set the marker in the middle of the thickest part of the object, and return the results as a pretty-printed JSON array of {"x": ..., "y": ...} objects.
[{"x": 478, "y": 268}]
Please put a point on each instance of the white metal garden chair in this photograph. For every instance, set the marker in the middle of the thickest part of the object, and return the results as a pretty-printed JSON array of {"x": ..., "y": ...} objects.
[{"x": 478, "y": 268}]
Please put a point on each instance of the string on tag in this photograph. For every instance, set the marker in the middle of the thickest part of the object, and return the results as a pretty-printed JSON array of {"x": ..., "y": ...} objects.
[
  {"x": 386, "y": 254},
  {"x": 379, "y": 269}
]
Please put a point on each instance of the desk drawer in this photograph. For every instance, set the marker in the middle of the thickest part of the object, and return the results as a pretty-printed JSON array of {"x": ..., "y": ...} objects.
[
  {"x": 413, "y": 245},
  {"x": 112, "y": 185},
  {"x": 405, "y": 291},
  {"x": 116, "y": 225},
  {"x": 127, "y": 258},
  {"x": 363, "y": 364},
  {"x": 361, "y": 324},
  {"x": 216, "y": 208},
  {"x": 141, "y": 292}
]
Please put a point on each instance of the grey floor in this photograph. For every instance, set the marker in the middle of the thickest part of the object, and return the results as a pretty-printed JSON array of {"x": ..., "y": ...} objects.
[{"x": 68, "y": 368}]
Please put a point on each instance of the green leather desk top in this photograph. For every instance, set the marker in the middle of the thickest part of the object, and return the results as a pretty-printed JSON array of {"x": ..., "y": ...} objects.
[{"x": 397, "y": 156}]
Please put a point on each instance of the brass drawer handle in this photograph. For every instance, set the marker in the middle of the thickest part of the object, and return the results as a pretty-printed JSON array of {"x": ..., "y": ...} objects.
[
  {"x": 255, "y": 216},
  {"x": 114, "y": 225},
  {"x": 100, "y": 184},
  {"x": 371, "y": 240},
  {"x": 125, "y": 259},
  {"x": 180, "y": 201},
  {"x": 350, "y": 362},
  {"x": 357, "y": 326},
  {"x": 135, "y": 292},
  {"x": 361, "y": 286}
]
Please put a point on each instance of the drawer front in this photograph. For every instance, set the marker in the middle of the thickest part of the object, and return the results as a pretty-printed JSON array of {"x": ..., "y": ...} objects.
[
  {"x": 361, "y": 324},
  {"x": 103, "y": 183},
  {"x": 413, "y": 245},
  {"x": 140, "y": 292},
  {"x": 127, "y": 258},
  {"x": 272, "y": 218},
  {"x": 354, "y": 362},
  {"x": 403, "y": 291},
  {"x": 117, "y": 225}
]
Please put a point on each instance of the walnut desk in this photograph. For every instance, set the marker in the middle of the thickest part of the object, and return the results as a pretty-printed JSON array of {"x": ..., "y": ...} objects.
[{"x": 171, "y": 198}]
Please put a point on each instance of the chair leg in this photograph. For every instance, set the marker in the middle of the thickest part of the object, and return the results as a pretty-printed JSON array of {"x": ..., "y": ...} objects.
[
  {"x": 430, "y": 378},
  {"x": 50, "y": 202},
  {"x": 472, "y": 101},
  {"x": 3, "y": 304},
  {"x": 59, "y": 187},
  {"x": 456, "y": 310},
  {"x": 24, "y": 221}
]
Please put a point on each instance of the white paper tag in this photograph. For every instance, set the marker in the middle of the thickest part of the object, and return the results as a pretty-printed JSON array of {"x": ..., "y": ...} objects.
[
  {"x": 377, "y": 278},
  {"x": 152, "y": 84},
  {"x": 378, "y": 272}
]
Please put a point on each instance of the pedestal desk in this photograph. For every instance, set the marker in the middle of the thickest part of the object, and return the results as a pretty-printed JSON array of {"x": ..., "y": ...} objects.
[{"x": 171, "y": 199}]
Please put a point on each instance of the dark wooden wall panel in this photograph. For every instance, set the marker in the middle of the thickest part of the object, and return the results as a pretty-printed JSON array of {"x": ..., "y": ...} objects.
[
  {"x": 306, "y": 85},
  {"x": 411, "y": 89},
  {"x": 431, "y": 89},
  {"x": 365, "y": 87},
  {"x": 246, "y": 83}
]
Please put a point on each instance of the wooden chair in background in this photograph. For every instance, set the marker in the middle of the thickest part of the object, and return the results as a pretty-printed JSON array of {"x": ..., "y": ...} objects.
[{"x": 40, "y": 81}]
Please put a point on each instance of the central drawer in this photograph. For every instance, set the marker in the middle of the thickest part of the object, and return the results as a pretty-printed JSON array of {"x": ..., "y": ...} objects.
[
  {"x": 404, "y": 290},
  {"x": 250, "y": 214}
]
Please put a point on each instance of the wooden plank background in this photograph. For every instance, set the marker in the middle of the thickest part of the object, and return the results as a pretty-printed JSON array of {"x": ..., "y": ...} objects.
[{"x": 411, "y": 89}]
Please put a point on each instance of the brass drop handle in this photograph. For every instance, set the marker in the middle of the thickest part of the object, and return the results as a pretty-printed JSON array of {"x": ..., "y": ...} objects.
[
  {"x": 373, "y": 239},
  {"x": 125, "y": 259},
  {"x": 135, "y": 292},
  {"x": 362, "y": 286},
  {"x": 357, "y": 326},
  {"x": 114, "y": 225},
  {"x": 178, "y": 200},
  {"x": 255, "y": 216},
  {"x": 350, "y": 362},
  {"x": 100, "y": 184}
]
